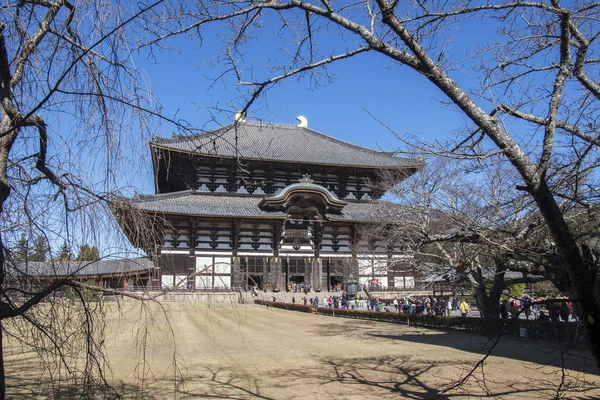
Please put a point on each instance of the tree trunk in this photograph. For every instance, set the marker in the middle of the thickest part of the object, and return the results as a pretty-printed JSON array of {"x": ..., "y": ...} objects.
[
  {"x": 491, "y": 314},
  {"x": 582, "y": 276},
  {"x": 2, "y": 378},
  {"x": 2, "y": 273}
]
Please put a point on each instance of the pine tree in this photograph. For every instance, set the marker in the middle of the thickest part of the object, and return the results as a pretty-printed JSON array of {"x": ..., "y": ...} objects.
[
  {"x": 64, "y": 253},
  {"x": 40, "y": 249},
  {"x": 87, "y": 253},
  {"x": 21, "y": 252}
]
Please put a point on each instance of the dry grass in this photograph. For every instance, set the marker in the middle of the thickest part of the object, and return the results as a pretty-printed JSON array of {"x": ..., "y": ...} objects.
[{"x": 250, "y": 351}]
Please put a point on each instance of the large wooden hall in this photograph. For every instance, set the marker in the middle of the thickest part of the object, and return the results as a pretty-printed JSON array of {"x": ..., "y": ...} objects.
[{"x": 267, "y": 205}]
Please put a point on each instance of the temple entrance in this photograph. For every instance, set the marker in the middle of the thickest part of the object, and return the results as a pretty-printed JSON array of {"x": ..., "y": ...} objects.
[
  {"x": 255, "y": 282},
  {"x": 297, "y": 284},
  {"x": 334, "y": 281},
  {"x": 294, "y": 273}
]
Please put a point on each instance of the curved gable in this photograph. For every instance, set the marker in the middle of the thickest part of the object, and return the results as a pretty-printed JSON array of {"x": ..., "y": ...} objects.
[{"x": 307, "y": 191}]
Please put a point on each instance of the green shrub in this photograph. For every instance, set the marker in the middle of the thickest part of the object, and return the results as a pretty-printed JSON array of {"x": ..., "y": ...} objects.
[
  {"x": 566, "y": 332},
  {"x": 517, "y": 290}
]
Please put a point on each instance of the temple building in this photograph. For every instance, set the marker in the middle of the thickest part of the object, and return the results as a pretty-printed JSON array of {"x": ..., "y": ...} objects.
[{"x": 267, "y": 205}]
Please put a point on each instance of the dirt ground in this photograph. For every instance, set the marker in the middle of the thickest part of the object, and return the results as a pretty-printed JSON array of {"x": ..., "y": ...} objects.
[{"x": 182, "y": 350}]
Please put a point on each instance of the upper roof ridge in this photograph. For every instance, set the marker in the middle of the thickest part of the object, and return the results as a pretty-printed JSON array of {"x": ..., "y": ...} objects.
[
  {"x": 184, "y": 138},
  {"x": 274, "y": 141},
  {"x": 170, "y": 195}
]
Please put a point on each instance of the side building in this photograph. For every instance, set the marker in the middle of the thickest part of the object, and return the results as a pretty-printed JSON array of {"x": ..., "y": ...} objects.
[{"x": 267, "y": 205}]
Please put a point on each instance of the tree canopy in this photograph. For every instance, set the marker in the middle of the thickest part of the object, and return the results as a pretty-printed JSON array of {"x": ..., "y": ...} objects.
[
  {"x": 39, "y": 251},
  {"x": 64, "y": 253},
  {"x": 88, "y": 253}
]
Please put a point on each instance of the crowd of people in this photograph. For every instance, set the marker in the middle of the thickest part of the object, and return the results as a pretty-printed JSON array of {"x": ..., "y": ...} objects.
[
  {"x": 555, "y": 310},
  {"x": 299, "y": 287},
  {"x": 430, "y": 305},
  {"x": 422, "y": 305}
]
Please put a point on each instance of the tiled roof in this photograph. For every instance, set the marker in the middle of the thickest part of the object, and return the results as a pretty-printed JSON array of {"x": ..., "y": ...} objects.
[
  {"x": 282, "y": 142},
  {"x": 214, "y": 205},
  {"x": 374, "y": 211},
  {"x": 209, "y": 205},
  {"x": 78, "y": 268}
]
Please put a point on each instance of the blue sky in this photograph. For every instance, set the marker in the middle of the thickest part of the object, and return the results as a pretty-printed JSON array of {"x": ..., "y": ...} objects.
[{"x": 399, "y": 97}]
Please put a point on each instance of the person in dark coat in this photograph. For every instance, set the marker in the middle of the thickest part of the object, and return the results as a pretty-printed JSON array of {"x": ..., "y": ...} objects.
[
  {"x": 564, "y": 312},
  {"x": 503, "y": 310}
]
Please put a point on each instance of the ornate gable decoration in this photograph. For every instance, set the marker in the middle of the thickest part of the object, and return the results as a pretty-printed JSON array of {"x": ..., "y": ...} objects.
[{"x": 304, "y": 193}]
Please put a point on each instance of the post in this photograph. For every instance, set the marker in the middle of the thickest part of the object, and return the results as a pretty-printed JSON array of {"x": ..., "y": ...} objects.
[
  {"x": 317, "y": 273},
  {"x": 155, "y": 275},
  {"x": 238, "y": 278},
  {"x": 328, "y": 274},
  {"x": 276, "y": 274},
  {"x": 236, "y": 274},
  {"x": 191, "y": 283},
  {"x": 308, "y": 270}
]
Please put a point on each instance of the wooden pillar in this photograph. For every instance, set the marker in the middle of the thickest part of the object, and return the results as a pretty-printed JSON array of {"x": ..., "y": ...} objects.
[
  {"x": 389, "y": 264},
  {"x": 352, "y": 274},
  {"x": 285, "y": 271},
  {"x": 328, "y": 261},
  {"x": 276, "y": 274},
  {"x": 155, "y": 279},
  {"x": 277, "y": 230},
  {"x": 308, "y": 273},
  {"x": 237, "y": 277},
  {"x": 317, "y": 264},
  {"x": 266, "y": 273},
  {"x": 191, "y": 283},
  {"x": 317, "y": 273},
  {"x": 317, "y": 237}
]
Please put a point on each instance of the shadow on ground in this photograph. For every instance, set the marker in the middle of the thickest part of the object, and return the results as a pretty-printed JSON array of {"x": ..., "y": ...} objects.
[
  {"x": 349, "y": 378},
  {"x": 543, "y": 352},
  {"x": 27, "y": 381},
  {"x": 360, "y": 378}
]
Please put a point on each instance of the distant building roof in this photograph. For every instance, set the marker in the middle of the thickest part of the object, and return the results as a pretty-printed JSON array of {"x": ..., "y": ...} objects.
[
  {"x": 82, "y": 268},
  {"x": 225, "y": 206},
  {"x": 282, "y": 142}
]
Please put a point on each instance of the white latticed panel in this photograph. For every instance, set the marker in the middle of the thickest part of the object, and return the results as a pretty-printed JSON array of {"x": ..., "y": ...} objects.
[
  {"x": 222, "y": 281},
  {"x": 222, "y": 265},
  {"x": 204, "y": 265},
  {"x": 167, "y": 281},
  {"x": 203, "y": 282}
]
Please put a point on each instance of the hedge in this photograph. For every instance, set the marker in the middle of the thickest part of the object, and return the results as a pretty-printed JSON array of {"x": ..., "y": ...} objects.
[{"x": 537, "y": 329}]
